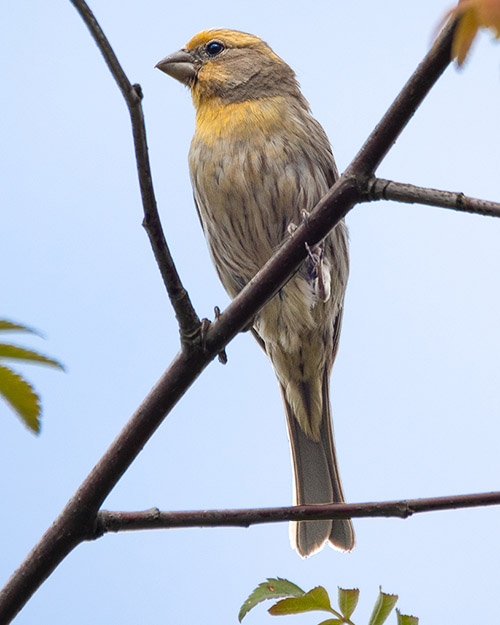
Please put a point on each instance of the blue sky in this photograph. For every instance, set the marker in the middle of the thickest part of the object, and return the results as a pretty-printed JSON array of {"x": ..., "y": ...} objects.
[{"x": 415, "y": 389}]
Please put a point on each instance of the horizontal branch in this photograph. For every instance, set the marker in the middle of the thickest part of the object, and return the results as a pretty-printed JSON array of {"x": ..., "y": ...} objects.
[
  {"x": 380, "y": 189},
  {"x": 77, "y": 521},
  {"x": 108, "y": 521}
]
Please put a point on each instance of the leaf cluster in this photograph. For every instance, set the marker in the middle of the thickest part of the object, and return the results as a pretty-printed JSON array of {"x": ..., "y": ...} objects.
[
  {"x": 294, "y": 600},
  {"x": 16, "y": 391}
]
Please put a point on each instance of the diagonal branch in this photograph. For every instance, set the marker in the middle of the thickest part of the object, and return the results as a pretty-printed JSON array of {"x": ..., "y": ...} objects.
[
  {"x": 404, "y": 106},
  {"x": 108, "y": 521},
  {"x": 379, "y": 189},
  {"x": 78, "y": 520},
  {"x": 187, "y": 318}
]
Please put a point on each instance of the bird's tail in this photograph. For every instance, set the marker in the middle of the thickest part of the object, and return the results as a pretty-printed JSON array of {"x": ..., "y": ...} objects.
[{"x": 316, "y": 480}]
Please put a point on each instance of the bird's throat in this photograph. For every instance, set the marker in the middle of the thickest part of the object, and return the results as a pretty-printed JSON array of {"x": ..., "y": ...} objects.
[{"x": 217, "y": 119}]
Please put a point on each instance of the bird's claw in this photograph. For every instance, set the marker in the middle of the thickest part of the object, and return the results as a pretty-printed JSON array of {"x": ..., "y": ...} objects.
[
  {"x": 305, "y": 217},
  {"x": 291, "y": 228},
  {"x": 316, "y": 260},
  {"x": 205, "y": 324}
]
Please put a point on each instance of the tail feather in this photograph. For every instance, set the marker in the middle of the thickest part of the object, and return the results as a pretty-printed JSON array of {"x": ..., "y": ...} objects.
[{"x": 316, "y": 480}]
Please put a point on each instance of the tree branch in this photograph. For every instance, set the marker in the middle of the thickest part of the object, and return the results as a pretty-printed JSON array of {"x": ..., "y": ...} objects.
[
  {"x": 189, "y": 323},
  {"x": 404, "y": 106},
  {"x": 108, "y": 521},
  {"x": 379, "y": 189},
  {"x": 77, "y": 522}
]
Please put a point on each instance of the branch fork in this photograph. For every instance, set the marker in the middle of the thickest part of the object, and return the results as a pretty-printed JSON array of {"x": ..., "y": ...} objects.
[{"x": 81, "y": 520}]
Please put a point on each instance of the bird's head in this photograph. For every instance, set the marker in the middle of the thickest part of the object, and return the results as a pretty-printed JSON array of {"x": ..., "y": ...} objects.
[{"x": 230, "y": 66}]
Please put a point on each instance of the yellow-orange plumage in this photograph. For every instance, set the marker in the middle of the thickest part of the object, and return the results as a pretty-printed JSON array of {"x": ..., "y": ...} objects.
[
  {"x": 258, "y": 160},
  {"x": 240, "y": 120}
]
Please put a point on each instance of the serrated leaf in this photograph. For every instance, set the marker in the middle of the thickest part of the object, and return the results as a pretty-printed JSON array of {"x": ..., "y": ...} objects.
[
  {"x": 21, "y": 396},
  {"x": 406, "y": 619},
  {"x": 16, "y": 327},
  {"x": 348, "y": 600},
  {"x": 383, "y": 607},
  {"x": 272, "y": 588},
  {"x": 465, "y": 34},
  {"x": 20, "y": 353},
  {"x": 315, "y": 599}
]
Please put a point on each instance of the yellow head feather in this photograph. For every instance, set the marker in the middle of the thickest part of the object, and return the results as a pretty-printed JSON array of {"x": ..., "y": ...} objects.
[{"x": 231, "y": 39}]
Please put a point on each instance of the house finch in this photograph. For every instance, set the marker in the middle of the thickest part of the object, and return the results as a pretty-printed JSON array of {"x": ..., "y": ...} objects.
[{"x": 259, "y": 161}]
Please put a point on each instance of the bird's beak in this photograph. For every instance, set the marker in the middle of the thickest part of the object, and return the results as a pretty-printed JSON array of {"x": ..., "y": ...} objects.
[{"x": 179, "y": 65}]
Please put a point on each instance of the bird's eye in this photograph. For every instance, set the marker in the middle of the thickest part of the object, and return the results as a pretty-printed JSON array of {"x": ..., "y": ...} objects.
[{"x": 213, "y": 48}]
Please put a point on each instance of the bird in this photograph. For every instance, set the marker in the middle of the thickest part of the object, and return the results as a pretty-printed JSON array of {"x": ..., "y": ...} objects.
[{"x": 259, "y": 162}]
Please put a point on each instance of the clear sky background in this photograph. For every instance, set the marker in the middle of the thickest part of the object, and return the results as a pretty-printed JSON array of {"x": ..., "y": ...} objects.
[{"x": 416, "y": 399}]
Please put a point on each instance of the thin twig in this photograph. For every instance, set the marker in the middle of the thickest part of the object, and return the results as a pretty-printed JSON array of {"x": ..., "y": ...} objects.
[
  {"x": 189, "y": 323},
  {"x": 380, "y": 189},
  {"x": 78, "y": 520},
  {"x": 404, "y": 106},
  {"x": 108, "y": 521}
]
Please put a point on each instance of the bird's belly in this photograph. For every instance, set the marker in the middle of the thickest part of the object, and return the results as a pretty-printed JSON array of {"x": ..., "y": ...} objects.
[
  {"x": 247, "y": 199},
  {"x": 245, "y": 213}
]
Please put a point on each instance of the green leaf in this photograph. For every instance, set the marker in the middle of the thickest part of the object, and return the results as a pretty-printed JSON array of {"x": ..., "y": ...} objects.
[
  {"x": 21, "y": 396},
  {"x": 20, "y": 353},
  {"x": 383, "y": 607},
  {"x": 17, "y": 327},
  {"x": 332, "y": 621},
  {"x": 315, "y": 599},
  {"x": 272, "y": 588},
  {"x": 406, "y": 619},
  {"x": 348, "y": 600}
]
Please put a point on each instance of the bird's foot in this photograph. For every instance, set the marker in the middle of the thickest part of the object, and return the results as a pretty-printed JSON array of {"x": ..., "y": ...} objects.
[
  {"x": 317, "y": 270},
  {"x": 205, "y": 324}
]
